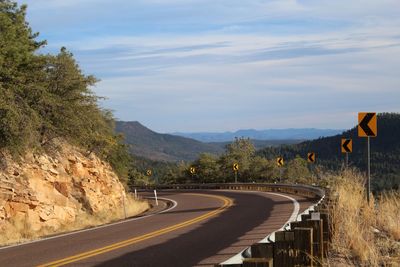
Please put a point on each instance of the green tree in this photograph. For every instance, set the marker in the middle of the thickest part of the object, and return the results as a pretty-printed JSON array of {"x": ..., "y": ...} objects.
[
  {"x": 207, "y": 168},
  {"x": 19, "y": 74},
  {"x": 137, "y": 178},
  {"x": 240, "y": 151},
  {"x": 261, "y": 170},
  {"x": 43, "y": 97},
  {"x": 297, "y": 171}
]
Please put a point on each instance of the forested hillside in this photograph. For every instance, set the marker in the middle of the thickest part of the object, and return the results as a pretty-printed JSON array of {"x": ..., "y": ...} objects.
[
  {"x": 261, "y": 165},
  {"x": 211, "y": 168},
  {"x": 146, "y": 143},
  {"x": 385, "y": 151},
  {"x": 43, "y": 96}
]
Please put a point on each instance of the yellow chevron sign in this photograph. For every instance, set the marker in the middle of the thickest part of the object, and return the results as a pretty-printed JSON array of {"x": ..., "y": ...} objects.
[
  {"x": 311, "y": 157},
  {"x": 367, "y": 124},
  {"x": 347, "y": 145},
  {"x": 280, "y": 161},
  {"x": 236, "y": 167}
]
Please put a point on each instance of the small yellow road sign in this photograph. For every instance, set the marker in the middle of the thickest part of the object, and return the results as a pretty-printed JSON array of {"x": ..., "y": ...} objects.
[
  {"x": 280, "y": 161},
  {"x": 236, "y": 167},
  {"x": 149, "y": 172},
  {"x": 347, "y": 145},
  {"x": 311, "y": 157},
  {"x": 192, "y": 170}
]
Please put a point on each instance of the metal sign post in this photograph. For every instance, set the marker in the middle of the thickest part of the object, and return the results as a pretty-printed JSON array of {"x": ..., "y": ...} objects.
[
  {"x": 192, "y": 171},
  {"x": 367, "y": 127},
  {"x": 149, "y": 173},
  {"x": 347, "y": 147},
  {"x": 235, "y": 169},
  {"x": 280, "y": 163},
  {"x": 369, "y": 169}
]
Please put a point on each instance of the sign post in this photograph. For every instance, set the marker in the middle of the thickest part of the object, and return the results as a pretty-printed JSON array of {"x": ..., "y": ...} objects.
[
  {"x": 347, "y": 147},
  {"x": 280, "y": 163},
  {"x": 236, "y": 169},
  {"x": 367, "y": 127},
  {"x": 149, "y": 173},
  {"x": 311, "y": 159},
  {"x": 192, "y": 171}
]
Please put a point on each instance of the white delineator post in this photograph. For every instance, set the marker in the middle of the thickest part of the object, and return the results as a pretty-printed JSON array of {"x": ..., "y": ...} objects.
[
  {"x": 155, "y": 196},
  {"x": 136, "y": 193}
]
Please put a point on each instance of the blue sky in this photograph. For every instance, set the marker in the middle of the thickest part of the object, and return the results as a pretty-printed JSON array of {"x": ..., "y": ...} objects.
[{"x": 191, "y": 65}]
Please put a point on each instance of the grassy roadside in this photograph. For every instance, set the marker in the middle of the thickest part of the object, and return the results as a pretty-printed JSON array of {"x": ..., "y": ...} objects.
[{"x": 363, "y": 234}]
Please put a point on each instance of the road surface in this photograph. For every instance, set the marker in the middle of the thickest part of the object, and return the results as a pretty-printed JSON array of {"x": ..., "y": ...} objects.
[{"x": 203, "y": 229}]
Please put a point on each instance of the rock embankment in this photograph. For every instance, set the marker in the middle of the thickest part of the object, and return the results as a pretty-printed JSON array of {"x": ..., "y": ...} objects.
[{"x": 44, "y": 192}]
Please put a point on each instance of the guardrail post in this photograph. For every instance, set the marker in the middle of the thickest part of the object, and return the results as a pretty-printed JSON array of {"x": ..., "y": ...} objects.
[
  {"x": 304, "y": 246},
  {"x": 317, "y": 226},
  {"x": 262, "y": 250},
  {"x": 327, "y": 234},
  {"x": 284, "y": 251}
]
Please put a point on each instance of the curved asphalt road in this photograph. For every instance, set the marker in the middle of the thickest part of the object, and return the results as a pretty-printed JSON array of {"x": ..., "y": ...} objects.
[{"x": 205, "y": 228}]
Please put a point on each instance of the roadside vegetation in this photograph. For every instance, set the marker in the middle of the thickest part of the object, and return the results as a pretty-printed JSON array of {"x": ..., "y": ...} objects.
[
  {"x": 363, "y": 234},
  {"x": 218, "y": 169},
  {"x": 44, "y": 96}
]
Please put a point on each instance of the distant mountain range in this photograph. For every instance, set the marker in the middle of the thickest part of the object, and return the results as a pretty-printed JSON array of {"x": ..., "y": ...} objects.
[
  {"x": 271, "y": 134},
  {"x": 260, "y": 144},
  {"x": 162, "y": 147},
  {"x": 146, "y": 143}
]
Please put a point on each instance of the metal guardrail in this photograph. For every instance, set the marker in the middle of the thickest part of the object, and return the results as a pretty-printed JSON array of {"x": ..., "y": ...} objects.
[
  {"x": 302, "y": 190},
  {"x": 302, "y": 242}
]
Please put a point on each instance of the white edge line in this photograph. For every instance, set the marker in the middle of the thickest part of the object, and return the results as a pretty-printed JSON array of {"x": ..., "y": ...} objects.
[
  {"x": 175, "y": 204},
  {"x": 238, "y": 258}
]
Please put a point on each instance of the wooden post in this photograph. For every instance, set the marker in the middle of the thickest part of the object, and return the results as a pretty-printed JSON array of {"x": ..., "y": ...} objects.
[
  {"x": 284, "y": 252},
  {"x": 327, "y": 233},
  {"x": 304, "y": 246},
  {"x": 317, "y": 226},
  {"x": 262, "y": 250},
  {"x": 305, "y": 217}
]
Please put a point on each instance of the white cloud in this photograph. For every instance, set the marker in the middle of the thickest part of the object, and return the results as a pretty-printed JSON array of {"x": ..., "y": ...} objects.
[{"x": 184, "y": 65}]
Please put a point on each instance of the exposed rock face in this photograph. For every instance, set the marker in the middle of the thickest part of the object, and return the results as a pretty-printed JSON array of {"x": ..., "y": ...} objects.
[{"x": 49, "y": 191}]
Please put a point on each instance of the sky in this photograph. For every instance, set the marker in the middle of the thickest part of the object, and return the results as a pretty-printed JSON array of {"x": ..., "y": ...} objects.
[{"x": 223, "y": 65}]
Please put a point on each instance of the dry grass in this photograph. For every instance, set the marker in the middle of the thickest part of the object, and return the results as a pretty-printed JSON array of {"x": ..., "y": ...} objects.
[
  {"x": 18, "y": 230},
  {"x": 363, "y": 234},
  {"x": 389, "y": 214}
]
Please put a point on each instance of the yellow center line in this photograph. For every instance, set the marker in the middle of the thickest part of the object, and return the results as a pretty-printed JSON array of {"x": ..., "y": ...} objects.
[{"x": 227, "y": 203}]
